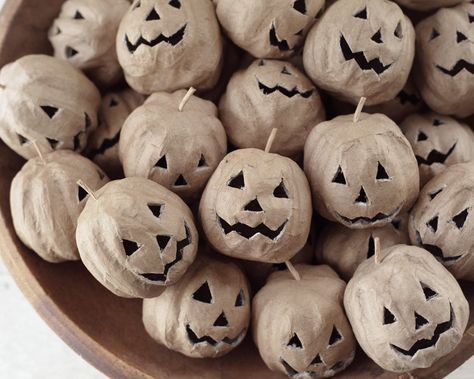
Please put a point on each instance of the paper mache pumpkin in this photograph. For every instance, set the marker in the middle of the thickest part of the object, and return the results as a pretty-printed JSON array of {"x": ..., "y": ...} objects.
[
  {"x": 103, "y": 144},
  {"x": 46, "y": 201},
  {"x": 46, "y": 101},
  {"x": 427, "y": 5},
  {"x": 268, "y": 29},
  {"x": 345, "y": 249},
  {"x": 84, "y": 35},
  {"x": 361, "y": 48},
  {"x": 445, "y": 60},
  {"x": 205, "y": 315},
  {"x": 442, "y": 220},
  {"x": 362, "y": 174},
  {"x": 135, "y": 237},
  {"x": 177, "y": 149},
  {"x": 257, "y": 206},
  {"x": 166, "y": 45},
  {"x": 406, "y": 311},
  {"x": 438, "y": 142},
  {"x": 270, "y": 94},
  {"x": 299, "y": 327}
]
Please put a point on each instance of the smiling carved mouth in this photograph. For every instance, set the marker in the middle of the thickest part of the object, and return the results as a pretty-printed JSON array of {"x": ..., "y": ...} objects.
[
  {"x": 436, "y": 251},
  {"x": 286, "y": 92},
  {"x": 457, "y": 68},
  {"x": 367, "y": 220},
  {"x": 171, "y": 40},
  {"x": 275, "y": 41},
  {"x": 211, "y": 341},
  {"x": 435, "y": 157},
  {"x": 248, "y": 231},
  {"x": 427, "y": 343},
  {"x": 291, "y": 372}
]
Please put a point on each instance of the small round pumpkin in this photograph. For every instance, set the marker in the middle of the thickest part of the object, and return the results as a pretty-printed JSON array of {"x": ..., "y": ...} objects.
[
  {"x": 406, "y": 311},
  {"x": 445, "y": 60},
  {"x": 178, "y": 149},
  {"x": 206, "y": 314},
  {"x": 345, "y": 249},
  {"x": 362, "y": 173},
  {"x": 46, "y": 101},
  {"x": 442, "y": 220},
  {"x": 438, "y": 142},
  {"x": 270, "y": 94},
  {"x": 361, "y": 48},
  {"x": 268, "y": 29},
  {"x": 135, "y": 237},
  {"x": 46, "y": 201},
  {"x": 257, "y": 206},
  {"x": 103, "y": 144},
  {"x": 165, "y": 45},
  {"x": 299, "y": 327},
  {"x": 84, "y": 35},
  {"x": 427, "y": 5}
]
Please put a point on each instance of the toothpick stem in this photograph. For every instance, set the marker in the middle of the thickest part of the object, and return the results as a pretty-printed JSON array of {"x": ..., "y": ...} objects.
[
  {"x": 359, "y": 109},
  {"x": 377, "y": 250},
  {"x": 293, "y": 271},
  {"x": 270, "y": 140},
  {"x": 186, "y": 98},
  {"x": 38, "y": 151}
]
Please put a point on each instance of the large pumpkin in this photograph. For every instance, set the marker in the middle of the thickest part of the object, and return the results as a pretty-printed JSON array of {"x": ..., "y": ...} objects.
[
  {"x": 361, "y": 48},
  {"x": 407, "y": 310},
  {"x": 135, "y": 237},
  {"x": 206, "y": 314},
  {"x": 257, "y": 206},
  {"x": 442, "y": 220},
  {"x": 46, "y": 101},
  {"x": 165, "y": 45}
]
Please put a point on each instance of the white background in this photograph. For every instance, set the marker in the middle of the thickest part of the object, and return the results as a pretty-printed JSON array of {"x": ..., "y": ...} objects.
[{"x": 29, "y": 349}]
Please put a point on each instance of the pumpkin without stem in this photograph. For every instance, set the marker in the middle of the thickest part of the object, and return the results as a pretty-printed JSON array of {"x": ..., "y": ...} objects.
[
  {"x": 165, "y": 45},
  {"x": 406, "y": 311},
  {"x": 442, "y": 220},
  {"x": 299, "y": 327},
  {"x": 135, "y": 237},
  {"x": 46, "y": 101},
  {"x": 361, "y": 48},
  {"x": 46, "y": 201},
  {"x": 205, "y": 315}
]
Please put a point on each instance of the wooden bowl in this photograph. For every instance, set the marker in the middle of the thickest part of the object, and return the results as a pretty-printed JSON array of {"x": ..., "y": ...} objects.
[{"x": 105, "y": 329}]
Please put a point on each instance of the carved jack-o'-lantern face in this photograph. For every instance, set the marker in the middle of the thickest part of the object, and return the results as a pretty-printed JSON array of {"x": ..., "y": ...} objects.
[
  {"x": 300, "y": 327},
  {"x": 438, "y": 142},
  {"x": 361, "y": 48},
  {"x": 445, "y": 60},
  {"x": 268, "y": 30},
  {"x": 270, "y": 94},
  {"x": 136, "y": 237},
  {"x": 406, "y": 311},
  {"x": 362, "y": 174},
  {"x": 206, "y": 314},
  {"x": 257, "y": 206},
  {"x": 442, "y": 220},
  {"x": 162, "y": 134},
  {"x": 46, "y": 101},
  {"x": 164, "y": 45}
]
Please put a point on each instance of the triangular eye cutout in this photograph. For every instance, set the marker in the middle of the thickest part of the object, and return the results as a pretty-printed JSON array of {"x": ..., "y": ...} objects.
[
  {"x": 81, "y": 193},
  {"x": 317, "y": 360},
  {"x": 239, "y": 301},
  {"x": 162, "y": 163},
  {"x": 382, "y": 173},
  {"x": 152, "y": 16},
  {"x": 281, "y": 191},
  {"x": 295, "y": 342},
  {"x": 335, "y": 336},
  {"x": 420, "y": 321},
  {"x": 438, "y": 122},
  {"x": 175, "y": 3},
  {"x": 49, "y": 110},
  {"x": 78, "y": 16},
  {"x": 362, "y": 198},
  {"x": 113, "y": 103},
  {"x": 460, "y": 218},
  {"x": 396, "y": 224},
  {"x": 377, "y": 37},
  {"x": 180, "y": 181},
  {"x": 261, "y": 63},
  {"x": 428, "y": 292},
  {"x": 70, "y": 52},
  {"x": 285, "y": 71},
  {"x": 221, "y": 320},
  {"x": 371, "y": 248},
  {"x": 339, "y": 177},
  {"x": 203, "y": 294},
  {"x": 163, "y": 241},
  {"x": 471, "y": 18},
  {"x": 421, "y": 137},
  {"x": 398, "y": 31},
  {"x": 87, "y": 121},
  {"x": 388, "y": 317},
  {"x": 202, "y": 161},
  {"x": 155, "y": 209},
  {"x": 23, "y": 140},
  {"x": 432, "y": 195},
  {"x": 77, "y": 141},
  {"x": 300, "y": 6},
  {"x": 434, "y": 34},
  {"x": 52, "y": 142},
  {"x": 460, "y": 37},
  {"x": 433, "y": 224},
  {"x": 362, "y": 14},
  {"x": 237, "y": 181},
  {"x": 130, "y": 247}
]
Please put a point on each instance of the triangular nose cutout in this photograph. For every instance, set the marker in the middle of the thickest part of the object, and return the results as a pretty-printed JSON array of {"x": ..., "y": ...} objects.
[
  {"x": 221, "y": 320},
  {"x": 362, "y": 198},
  {"x": 180, "y": 181},
  {"x": 253, "y": 206}
]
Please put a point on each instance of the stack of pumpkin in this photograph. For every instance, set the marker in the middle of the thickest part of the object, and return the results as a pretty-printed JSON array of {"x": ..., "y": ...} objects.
[{"x": 399, "y": 248}]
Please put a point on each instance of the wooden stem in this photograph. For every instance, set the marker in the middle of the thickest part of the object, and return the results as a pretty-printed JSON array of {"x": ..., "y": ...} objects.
[
  {"x": 270, "y": 140},
  {"x": 87, "y": 189},
  {"x": 359, "y": 108},
  {"x": 293, "y": 271},
  {"x": 186, "y": 97},
  {"x": 38, "y": 151},
  {"x": 377, "y": 250}
]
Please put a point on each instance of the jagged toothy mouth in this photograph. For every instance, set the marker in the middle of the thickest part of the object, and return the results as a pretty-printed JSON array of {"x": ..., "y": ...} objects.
[
  {"x": 435, "y": 157},
  {"x": 460, "y": 65},
  {"x": 266, "y": 90},
  {"x": 338, "y": 366},
  {"x": 194, "y": 339},
  {"x": 173, "y": 40},
  {"x": 248, "y": 232},
  {"x": 437, "y": 252},
  {"x": 378, "y": 218}
]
